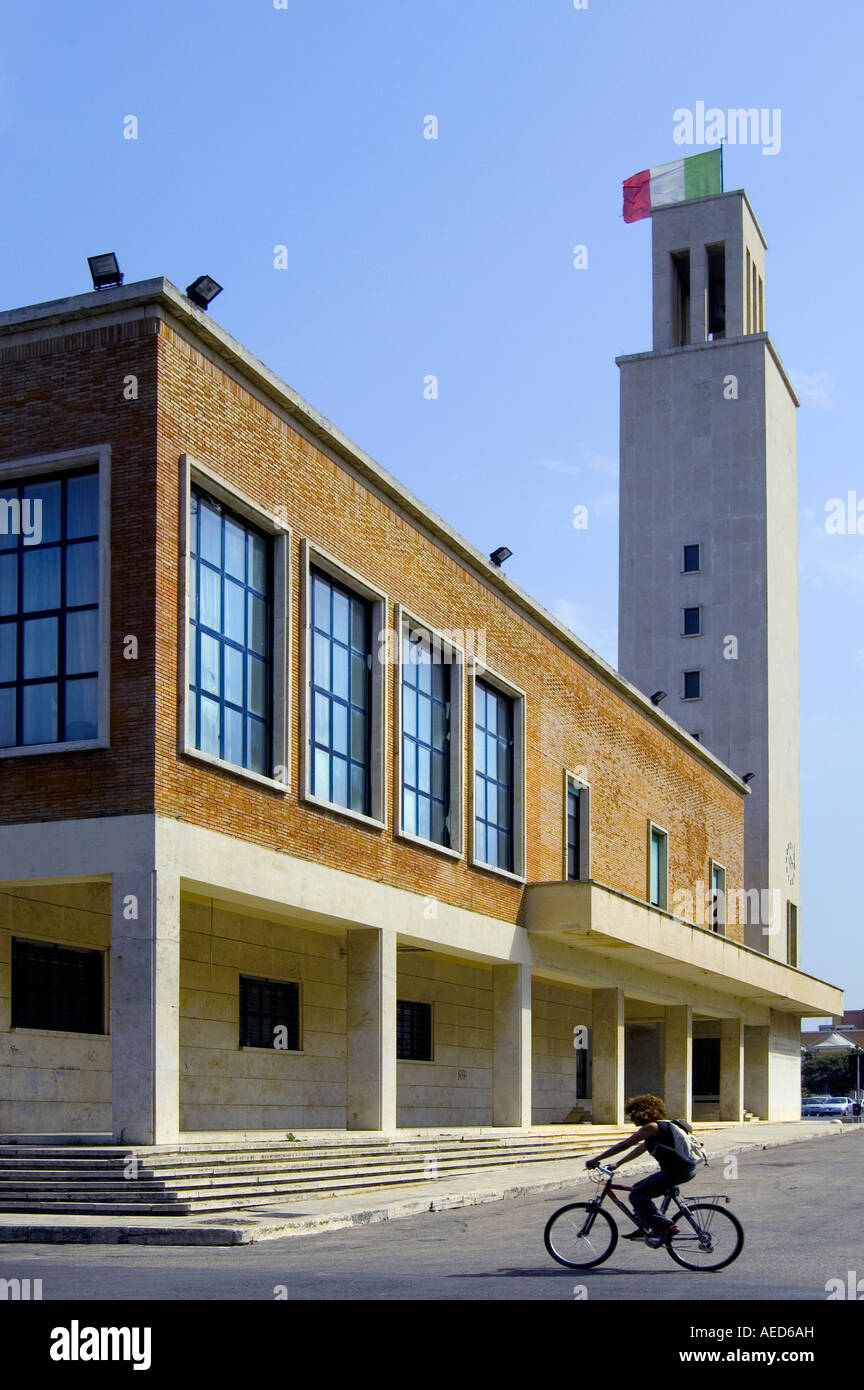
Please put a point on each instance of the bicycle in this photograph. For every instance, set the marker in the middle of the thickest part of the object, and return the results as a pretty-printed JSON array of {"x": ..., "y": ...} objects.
[{"x": 577, "y": 1237}]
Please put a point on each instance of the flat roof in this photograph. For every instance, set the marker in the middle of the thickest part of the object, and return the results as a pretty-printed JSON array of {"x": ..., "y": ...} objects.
[{"x": 124, "y": 303}]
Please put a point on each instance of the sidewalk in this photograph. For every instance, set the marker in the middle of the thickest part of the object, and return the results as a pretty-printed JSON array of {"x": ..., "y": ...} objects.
[{"x": 305, "y": 1217}]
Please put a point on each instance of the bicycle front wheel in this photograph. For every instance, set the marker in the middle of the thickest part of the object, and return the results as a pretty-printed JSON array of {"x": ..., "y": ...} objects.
[
  {"x": 712, "y": 1242},
  {"x": 580, "y": 1235}
]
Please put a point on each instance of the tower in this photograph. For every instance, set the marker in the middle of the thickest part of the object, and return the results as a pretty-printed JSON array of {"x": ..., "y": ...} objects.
[{"x": 708, "y": 567}]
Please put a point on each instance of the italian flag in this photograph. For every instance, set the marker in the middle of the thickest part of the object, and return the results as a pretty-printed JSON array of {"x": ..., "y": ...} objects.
[{"x": 695, "y": 177}]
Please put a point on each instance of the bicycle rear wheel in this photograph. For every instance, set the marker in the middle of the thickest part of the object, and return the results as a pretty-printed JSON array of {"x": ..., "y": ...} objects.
[
  {"x": 717, "y": 1240},
  {"x": 580, "y": 1235}
]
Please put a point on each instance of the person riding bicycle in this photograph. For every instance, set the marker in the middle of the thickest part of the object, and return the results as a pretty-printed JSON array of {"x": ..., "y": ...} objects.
[{"x": 655, "y": 1136}]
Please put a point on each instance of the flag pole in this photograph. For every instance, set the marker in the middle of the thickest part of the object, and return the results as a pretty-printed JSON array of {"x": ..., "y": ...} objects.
[{"x": 722, "y": 143}]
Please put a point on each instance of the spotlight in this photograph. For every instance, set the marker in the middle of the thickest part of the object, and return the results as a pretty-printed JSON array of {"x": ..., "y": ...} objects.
[
  {"x": 748, "y": 777},
  {"x": 500, "y": 555},
  {"x": 202, "y": 290},
  {"x": 105, "y": 271},
  {"x": 658, "y": 696}
]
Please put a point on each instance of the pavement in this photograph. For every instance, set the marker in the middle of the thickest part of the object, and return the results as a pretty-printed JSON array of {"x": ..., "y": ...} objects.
[{"x": 292, "y": 1217}]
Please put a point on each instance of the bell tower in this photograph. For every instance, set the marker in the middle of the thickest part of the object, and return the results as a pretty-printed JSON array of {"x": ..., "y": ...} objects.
[{"x": 708, "y": 567}]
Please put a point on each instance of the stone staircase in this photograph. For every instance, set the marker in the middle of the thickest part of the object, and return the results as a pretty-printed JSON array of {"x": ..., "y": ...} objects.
[{"x": 101, "y": 1179}]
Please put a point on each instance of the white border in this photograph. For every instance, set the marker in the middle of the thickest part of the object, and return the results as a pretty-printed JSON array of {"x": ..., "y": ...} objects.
[
  {"x": 64, "y": 462},
  {"x": 720, "y": 929}
]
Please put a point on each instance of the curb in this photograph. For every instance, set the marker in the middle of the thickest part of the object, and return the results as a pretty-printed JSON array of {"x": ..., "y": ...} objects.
[{"x": 252, "y": 1231}]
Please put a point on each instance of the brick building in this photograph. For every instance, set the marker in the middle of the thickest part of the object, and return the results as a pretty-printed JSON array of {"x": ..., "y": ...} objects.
[{"x": 310, "y": 817}]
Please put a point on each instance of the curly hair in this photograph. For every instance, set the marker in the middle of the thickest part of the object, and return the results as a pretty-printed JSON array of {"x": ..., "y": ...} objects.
[{"x": 643, "y": 1110}]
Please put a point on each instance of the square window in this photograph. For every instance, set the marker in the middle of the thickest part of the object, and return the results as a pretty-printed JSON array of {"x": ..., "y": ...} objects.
[
  {"x": 56, "y": 987},
  {"x": 692, "y": 622},
  {"x": 692, "y": 685},
  {"x": 413, "y": 1031},
  {"x": 691, "y": 564},
  {"x": 270, "y": 1014}
]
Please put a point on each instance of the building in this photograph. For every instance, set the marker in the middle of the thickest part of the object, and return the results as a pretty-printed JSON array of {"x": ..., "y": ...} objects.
[
  {"x": 310, "y": 817},
  {"x": 708, "y": 586}
]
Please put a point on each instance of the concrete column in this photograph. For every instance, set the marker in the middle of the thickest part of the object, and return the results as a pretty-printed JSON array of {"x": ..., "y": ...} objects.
[
  {"x": 145, "y": 1007},
  {"x": 607, "y": 1067},
  {"x": 371, "y": 1029},
  {"x": 732, "y": 1069},
  {"x": 511, "y": 1046},
  {"x": 698, "y": 293},
  {"x": 757, "y": 1069},
  {"x": 678, "y": 1061}
]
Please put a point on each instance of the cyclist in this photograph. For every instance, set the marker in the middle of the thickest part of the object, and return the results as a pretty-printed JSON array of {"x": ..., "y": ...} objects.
[{"x": 654, "y": 1136}]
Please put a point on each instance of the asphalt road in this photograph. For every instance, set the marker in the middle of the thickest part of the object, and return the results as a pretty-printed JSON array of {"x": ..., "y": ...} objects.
[{"x": 801, "y": 1206}]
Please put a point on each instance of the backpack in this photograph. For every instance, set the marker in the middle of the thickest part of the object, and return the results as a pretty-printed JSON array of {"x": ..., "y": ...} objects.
[{"x": 684, "y": 1145}]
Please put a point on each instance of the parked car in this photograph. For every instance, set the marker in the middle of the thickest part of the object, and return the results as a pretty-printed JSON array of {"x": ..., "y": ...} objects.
[{"x": 835, "y": 1107}]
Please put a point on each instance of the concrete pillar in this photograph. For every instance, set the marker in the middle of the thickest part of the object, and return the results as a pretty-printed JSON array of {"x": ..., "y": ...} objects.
[
  {"x": 678, "y": 1062},
  {"x": 698, "y": 293},
  {"x": 607, "y": 1068},
  {"x": 145, "y": 1007},
  {"x": 757, "y": 1059},
  {"x": 511, "y": 1046},
  {"x": 371, "y": 1029},
  {"x": 732, "y": 1069}
]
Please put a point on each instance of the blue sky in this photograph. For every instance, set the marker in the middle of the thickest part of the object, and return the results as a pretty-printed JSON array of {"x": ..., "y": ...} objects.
[{"x": 406, "y": 257}]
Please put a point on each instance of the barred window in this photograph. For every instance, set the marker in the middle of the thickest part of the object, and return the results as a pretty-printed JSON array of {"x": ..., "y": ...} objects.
[
  {"x": 265, "y": 1006},
  {"x": 56, "y": 987},
  {"x": 413, "y": 1031}
]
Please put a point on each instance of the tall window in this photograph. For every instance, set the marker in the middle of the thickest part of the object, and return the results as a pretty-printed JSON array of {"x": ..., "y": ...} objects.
[
  {"x": 341, "y": 695},
  {"x": 691, "y": 562},
  {"x": 426, "y": 678},
  {"x": 657, "y": 867},
  {"x": 56, "y": 987},
  {"x": 49, "y": 610},
  {"x": 230, "y": 638},
  {"x": 791, "y": 934},
  {"x": 718, "y": 898},
  {"x": 577, "y": 806},
  {"x": 493, "y": 777},
  {"x": 692, "y": 622}
]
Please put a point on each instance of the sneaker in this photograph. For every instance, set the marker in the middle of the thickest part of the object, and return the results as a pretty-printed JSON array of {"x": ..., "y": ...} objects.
[
  {"x": 656, "y": 1241},
  {"x": 635, "y": 1235}
]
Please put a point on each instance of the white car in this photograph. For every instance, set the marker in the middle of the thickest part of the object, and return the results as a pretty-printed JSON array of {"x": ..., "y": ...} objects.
[{"x": 834, "y": 1107}]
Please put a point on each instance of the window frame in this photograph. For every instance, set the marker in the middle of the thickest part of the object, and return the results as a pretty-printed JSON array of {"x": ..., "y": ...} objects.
[
  {"x": 691, "y": 671},
  {"x": 571, "y": 779},
  {"x": 662, "y": 869},
  {"x": 104, "y": 985},
  {"x": 684, "y": 549},
  {"x": 312, "y": 556},
  {"x": 691, "y": 608},
  {"x": 403, "y": 621},
  {"x": 423, "y": 1004},
  {"x": 792, "y": 934},
  {"x": 487, "y": 676},
  {"x": 193, "y": 473},
  {"x": 257, "y": 1047},
  {"x": 15, "y": 471},
  {"x": 718, "y": 926}
]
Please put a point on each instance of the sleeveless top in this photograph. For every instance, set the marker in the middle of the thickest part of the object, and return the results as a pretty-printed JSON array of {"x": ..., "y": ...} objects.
[{"x": 665, "y": 1154}]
